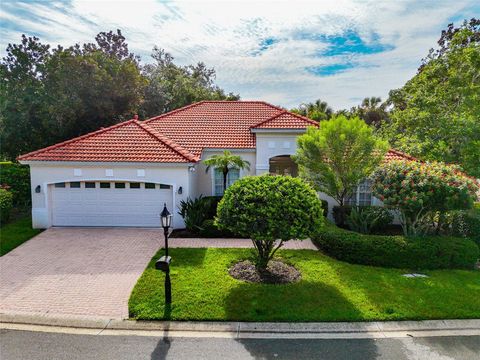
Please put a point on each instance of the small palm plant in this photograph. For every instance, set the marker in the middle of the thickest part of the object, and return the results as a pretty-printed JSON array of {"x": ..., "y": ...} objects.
[{"x": 224, "y": 163}]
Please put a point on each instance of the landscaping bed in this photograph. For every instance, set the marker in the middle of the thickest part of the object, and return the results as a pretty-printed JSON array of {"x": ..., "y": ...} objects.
[{"x": 329, "y": 290}]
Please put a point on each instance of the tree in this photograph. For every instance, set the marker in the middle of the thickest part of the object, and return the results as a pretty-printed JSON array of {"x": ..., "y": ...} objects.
[
  {"x": 436, "y": 114},
  {"x": 372, "y": 111},
  {"x": 338, "y": 155},
  {"x": 270, "y": 210},
  {"x": 171, "y": 86},
  {"x": 49, "y": 96},
  {"x": 224, "y": 163},
  {"x": 318, "y": 110},
  {"x": 417, "y": 190}
]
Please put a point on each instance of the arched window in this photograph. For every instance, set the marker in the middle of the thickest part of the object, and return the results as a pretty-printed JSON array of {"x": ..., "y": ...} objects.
[{"x": 283, "y": 165}]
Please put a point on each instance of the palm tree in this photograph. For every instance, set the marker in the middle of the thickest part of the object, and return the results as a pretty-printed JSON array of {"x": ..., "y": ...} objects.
[
  {"x": 318, "y": 110},
  {"x": 225, "y": 162}
]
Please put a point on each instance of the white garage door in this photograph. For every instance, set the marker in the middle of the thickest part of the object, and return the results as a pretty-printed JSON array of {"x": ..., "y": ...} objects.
[{"x": 101, "y": 203}]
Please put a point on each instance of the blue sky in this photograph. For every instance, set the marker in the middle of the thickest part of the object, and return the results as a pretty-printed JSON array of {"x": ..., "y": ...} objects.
[{"x": 283, "y": 52}]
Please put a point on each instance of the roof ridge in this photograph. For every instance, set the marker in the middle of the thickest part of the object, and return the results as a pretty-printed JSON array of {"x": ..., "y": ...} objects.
[
  {"x": 283, "y": 112},
  {"x": 410, "y": 157},
  {"x": 174, "y": 111},
  {"x": 75, "y": 139},
  {"x": 167, "y": 141},
  {"x": 269, "y": 119}
]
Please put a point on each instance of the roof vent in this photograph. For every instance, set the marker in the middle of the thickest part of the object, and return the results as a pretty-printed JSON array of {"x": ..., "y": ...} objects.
[{"x": 135, "y": 117}]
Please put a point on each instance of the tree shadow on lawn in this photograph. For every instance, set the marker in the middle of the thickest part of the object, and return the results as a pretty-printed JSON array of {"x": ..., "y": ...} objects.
[{"x": 303, "y": 301}]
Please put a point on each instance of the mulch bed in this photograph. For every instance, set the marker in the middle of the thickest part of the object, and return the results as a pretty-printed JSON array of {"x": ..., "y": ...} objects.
[{"x": 277, "y": 273}]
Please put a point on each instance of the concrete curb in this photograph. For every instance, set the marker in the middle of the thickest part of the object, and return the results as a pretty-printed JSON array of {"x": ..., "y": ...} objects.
[{"x": 242, "y": 329}]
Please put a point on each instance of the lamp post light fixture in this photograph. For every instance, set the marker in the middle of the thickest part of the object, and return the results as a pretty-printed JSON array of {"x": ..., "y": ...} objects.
[{"x": 163, "y": 263}]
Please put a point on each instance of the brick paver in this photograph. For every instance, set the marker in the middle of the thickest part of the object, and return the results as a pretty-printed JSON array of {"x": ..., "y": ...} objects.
[
  {"x": 88, "y": 272},
  {"x": 75, "y": 271}
]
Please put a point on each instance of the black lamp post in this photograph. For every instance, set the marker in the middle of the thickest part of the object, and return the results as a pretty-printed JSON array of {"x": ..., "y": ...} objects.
[{"x": 164, "y": 262}]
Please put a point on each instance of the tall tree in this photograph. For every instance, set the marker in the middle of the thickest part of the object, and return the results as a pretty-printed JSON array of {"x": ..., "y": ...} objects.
[
  {"x": 338, "y": 155},
  {"x": 171, "y": 86},
  {"x": 317, "y": 110},
  {"x": 372, "y": 111},
  {"x": 436, "y": 114}
]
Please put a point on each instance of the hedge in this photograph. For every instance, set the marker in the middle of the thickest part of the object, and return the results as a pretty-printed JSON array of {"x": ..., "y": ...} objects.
[
  {"x": 17, "y": 177},
  {"x": 6, "y": 204},
  {"x": 441, "y": 252}
]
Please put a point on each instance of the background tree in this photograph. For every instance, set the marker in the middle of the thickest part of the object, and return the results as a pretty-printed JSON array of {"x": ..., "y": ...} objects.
[
  {"x": 436, "y": 114},
  {"x": 270, "y": 210},
  {"x": 372, "y": 111},
  {"x": 317, "y": 110},
  {"x": 338, "y": 155},
  {"x": 225, "y": 163},
  {"x": 171, "y": 86},
  {"x": 417, "y": 190}
]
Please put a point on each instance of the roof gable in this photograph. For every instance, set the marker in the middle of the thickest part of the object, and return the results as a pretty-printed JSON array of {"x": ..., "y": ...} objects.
[
  {"x": 285, "y": 120},
  {"x": 129, "y": 141}
]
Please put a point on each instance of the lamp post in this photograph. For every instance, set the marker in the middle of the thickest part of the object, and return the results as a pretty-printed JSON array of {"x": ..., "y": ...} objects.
[{"x": 164, "y": 262}]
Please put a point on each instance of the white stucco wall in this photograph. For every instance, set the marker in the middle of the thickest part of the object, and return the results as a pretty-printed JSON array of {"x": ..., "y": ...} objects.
[
  {"x": 204, "y": 180},
  {"x": 273, "y": 144},
  {"x": 44, "y": 173}
]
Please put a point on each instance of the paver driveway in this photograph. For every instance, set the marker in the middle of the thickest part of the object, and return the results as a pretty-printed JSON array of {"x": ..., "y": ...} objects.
[{"x": 76, "y": 271}]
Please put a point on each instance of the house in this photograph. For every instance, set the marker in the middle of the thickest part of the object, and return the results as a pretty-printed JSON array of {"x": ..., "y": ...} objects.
[{"x": 122, "y": 175}]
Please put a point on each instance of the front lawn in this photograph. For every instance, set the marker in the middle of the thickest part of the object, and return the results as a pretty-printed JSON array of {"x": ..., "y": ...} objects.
[
  {"x": 330, "y": 290},
  {"x": 16, "y": 233}
]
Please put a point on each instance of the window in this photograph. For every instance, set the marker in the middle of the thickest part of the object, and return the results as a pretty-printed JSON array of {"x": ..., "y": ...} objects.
[
  {"x": 108, "y": 172},
  {"x": 232, "y": 176},
  {"x": 60, "y": 185},
  {"x": 134, "y": 185},
  {"x": 363, "y": 194},
  {"x": 164, "y": 186},
  {"x": 149, "y": 186},
  {"x": 90, "y": 185},
  {"x": 119, "y": 185},
  {"x": 104, "y": 185},
  {"x": 141, "y": 172},
  {"x": 75, "y": 184},
  {"x": 77, "y": 172}
]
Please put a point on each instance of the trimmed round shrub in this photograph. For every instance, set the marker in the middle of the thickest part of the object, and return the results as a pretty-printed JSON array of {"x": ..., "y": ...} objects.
[
  {"x": 6, "y": 204},
  {"x": 270, "y": 210},
  {"x": 441, "y": 252}
]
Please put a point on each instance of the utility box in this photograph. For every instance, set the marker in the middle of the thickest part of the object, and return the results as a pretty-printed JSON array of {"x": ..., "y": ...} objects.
[{"x": 163, "y": 263}]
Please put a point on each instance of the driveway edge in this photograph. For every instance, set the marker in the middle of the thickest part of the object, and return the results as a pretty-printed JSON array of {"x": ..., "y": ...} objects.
[{"x": 107, "y": 326}]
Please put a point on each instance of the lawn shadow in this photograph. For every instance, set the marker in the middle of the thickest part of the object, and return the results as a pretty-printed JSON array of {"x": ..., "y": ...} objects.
[
  {"x": 164, "y": 344},
  {"x": 297, "y": 302}
]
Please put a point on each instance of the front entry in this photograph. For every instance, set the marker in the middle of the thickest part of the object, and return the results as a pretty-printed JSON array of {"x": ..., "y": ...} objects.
[{"x": 283, "y": 165}]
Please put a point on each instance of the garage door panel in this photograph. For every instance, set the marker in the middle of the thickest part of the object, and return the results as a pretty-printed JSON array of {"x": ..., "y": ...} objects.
[{"x": 109, "y": 206}]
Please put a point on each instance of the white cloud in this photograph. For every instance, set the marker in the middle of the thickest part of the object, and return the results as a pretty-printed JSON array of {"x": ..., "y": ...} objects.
[{"x": 228, "y": 36}]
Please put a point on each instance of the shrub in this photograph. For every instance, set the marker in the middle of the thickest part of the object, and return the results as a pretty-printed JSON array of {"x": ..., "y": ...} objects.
[
  {"x": 440, "y": 252},
  {"x": 366, "y": 219},
  {"x": 195, "y": 212},
  {"x": 270, "y": 210},
  {"x": 418, "y": 189},
  {"x": 6, "y": 204},
  {"x": 17, "y": 177},
  {"x": 324, "y": 207},
  {"x": 340, "y": 214},
  {"x": 464, "y": 223},
  {"x": 210, "y": 230}
]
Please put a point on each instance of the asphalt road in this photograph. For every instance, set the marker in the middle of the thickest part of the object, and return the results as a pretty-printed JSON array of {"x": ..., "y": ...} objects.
[{"x": 39, "y": 345}]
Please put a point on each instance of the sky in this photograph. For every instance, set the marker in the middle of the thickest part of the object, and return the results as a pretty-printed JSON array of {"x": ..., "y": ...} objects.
[{"x": 286, "y": 53}]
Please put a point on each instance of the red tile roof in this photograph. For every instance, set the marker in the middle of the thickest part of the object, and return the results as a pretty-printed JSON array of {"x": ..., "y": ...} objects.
[
  {"x": 285, "y": 120},
  {"x": 393, "y": 154},
  {"x": 124, "y": 142},
  {"x": 180, "y": 135}
]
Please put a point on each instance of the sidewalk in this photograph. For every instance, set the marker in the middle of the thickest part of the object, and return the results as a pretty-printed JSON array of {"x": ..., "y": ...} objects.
[{"x": 322, "y": 330}]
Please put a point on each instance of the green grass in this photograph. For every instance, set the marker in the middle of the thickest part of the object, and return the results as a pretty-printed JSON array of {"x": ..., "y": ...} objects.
[
  {"x": 330, "y": 290},
  {"x": 15, "y": 234}
]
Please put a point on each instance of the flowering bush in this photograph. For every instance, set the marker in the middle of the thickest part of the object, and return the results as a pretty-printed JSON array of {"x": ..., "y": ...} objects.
[{"x": 418, "y": 189}]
